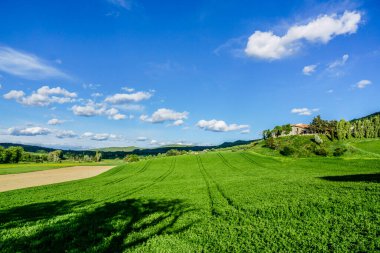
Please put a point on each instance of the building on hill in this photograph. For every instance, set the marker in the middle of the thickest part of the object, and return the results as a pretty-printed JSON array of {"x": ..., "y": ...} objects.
[{"x": 298, "y": 129}]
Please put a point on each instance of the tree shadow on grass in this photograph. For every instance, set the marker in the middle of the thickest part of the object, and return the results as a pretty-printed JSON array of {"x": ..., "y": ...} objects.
[
  {"x": 113, "y": 227},
  {"x": 372, "y": 178},
  {"x": 37, "y": 211}
]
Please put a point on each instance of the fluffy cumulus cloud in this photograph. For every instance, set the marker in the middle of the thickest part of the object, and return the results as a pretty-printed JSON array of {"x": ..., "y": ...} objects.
[
  {"x": 304, "y": 111},
  {"x": 308, "y": 70},
  {"x": 65, "y": 134},
  {"x": 42, "y": 97},
  {"x": 363, "y": 83},
  {"x": 26, "y": 65},
  {"x": 96, "y": 109},
  {"x": 269, "y": 46},
  {"x": 99, "y": 136},
  {"x": 164, "y": 114},
  {"x": 221, "y": 126},
  {"x": 55, "y": 122},
  {"x": 29, "y": 131},
  {"x": 123, "y": 98}
]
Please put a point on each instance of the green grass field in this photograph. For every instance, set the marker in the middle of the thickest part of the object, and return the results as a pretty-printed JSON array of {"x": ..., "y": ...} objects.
[
  {"x": 29, "y": 167},
  {"x": 368, "y": 146},
  {"x": 214, "y": 202}
]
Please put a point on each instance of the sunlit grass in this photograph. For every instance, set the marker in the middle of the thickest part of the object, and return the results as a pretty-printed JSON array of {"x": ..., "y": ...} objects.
[{"x": 214, "y": 202}]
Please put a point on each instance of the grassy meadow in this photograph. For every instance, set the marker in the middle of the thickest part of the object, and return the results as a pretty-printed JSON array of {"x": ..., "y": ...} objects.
[
  {"x": 15, "y": 168},
  {"x": 242, "y": 201}
]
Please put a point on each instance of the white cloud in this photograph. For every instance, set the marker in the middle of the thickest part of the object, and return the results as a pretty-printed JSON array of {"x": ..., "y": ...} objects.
[
  {"x": 65, "y": 134},
  {"x": 86, "y": 110},
  {"x": 308, "y": 70},
  {"x": 339, "y": 62},
  {"x": 42, "y": 97},
  {"x": 220, "y": 126},
  {"x": 121, "y": 3},
  {"x": 164, "y": 114},
  {"x": 99, "y": 137},
  {"x": 178, "y": 122},
  {"x": 122, "y": 98},
  {"x": 55, "y": 122},
  {"x": 29, "y": 131},
  {"x": 142, "y": 138},
  {"x": 91, "y": 86},
  {"x": 246, "y": 131},
  {"x": 130, "y": 107},
  {"x": 266, "y": 45},
  {"x": 96, "y": 94},
  {"x": 127, "y": 89},
  {"x": 26, "y": 65},
  {"x": 363, "y": 83},
  {"x": 304, "y": 111},
  {"x": 92, "y": 109},
  {"x": 153, "y": 142},
  {"x": 14, "y": 94},
  {"x": 330, "y": 91}
]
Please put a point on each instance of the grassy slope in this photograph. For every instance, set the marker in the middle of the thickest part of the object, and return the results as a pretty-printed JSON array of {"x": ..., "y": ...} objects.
[
  {"x": 29, "y": 167},
  {"x": 368, "y": 145},
  {"x": 232, "y": 201},
  {"x": 303, "y": 145}
]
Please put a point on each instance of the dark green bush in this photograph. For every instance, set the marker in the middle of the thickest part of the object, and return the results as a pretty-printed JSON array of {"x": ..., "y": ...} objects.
[
  {"x": 321, "y": 152},
  {"x": 287, "y": 151},
  {"x": 339, "y": 151}
]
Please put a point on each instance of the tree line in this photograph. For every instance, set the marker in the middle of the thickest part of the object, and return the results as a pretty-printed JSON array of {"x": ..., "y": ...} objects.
[
  {"x": 368, "y": 127},
  {"x": 16, "y": 154}
]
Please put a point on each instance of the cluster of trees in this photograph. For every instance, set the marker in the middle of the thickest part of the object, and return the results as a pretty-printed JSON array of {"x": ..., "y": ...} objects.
[
  {"x": 277, "y": 131},
  {"x": 11, "y": 154},
  {"x": 16, "y": 154},
  {"x": 363, "y": 128}
]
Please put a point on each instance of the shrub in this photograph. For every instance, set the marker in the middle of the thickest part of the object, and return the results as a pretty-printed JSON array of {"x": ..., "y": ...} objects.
[
  {"x": 318, "y": 139},
  {"x": 173, "y": 152},
  {"x": 131, "y": 158},
  {"x": 287, "y": 151},
  {"x": 339, "y": 151},
  {"x": 321, "y": 152},
  {"x": 271, "y": 143}
]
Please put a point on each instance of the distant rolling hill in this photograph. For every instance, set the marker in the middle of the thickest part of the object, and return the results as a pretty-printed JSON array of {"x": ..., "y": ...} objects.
[
  {"x": 120, "y": 152},
  {"x": 116, "y": 149}
]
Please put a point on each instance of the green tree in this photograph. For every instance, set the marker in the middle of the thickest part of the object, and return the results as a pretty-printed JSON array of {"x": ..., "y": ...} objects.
[
  {"x": 267, "y": 134},
  {"x": 287, "y": 128},
  {"x": 277, "y": 131},
  {"x": 15, "y": 154},
  {"x": 55, "y": 156},
  {"x": 98, "y": 156}
]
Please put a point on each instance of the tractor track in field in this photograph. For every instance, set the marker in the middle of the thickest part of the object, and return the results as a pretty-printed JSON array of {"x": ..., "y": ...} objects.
[
  {"x": 159, "y": 179},
  {"x": 119, "y": 180},
  {"x": 251, "y": 160},
  {"x": 208, "y": 178},
  {"x": 228, "y": 164}
]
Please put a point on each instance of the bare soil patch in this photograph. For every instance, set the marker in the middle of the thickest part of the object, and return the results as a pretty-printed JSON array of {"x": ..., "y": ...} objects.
[{"x": 37, "y": 178}]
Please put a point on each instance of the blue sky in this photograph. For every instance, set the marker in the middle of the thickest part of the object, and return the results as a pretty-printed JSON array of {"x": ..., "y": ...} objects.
[{"x": 101, "y": 73}]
